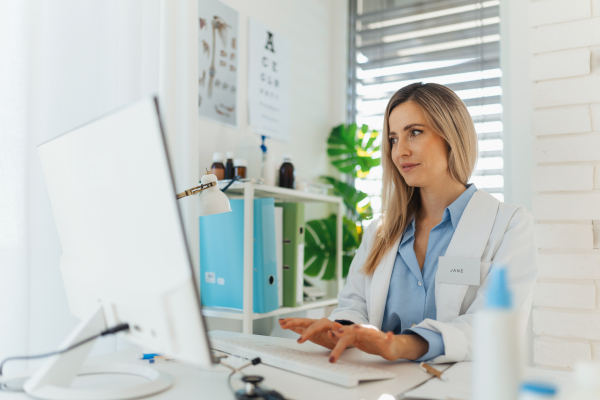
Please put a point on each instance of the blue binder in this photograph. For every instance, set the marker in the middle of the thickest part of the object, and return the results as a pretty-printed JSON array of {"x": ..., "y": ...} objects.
[{"x": 222, "y": 257}]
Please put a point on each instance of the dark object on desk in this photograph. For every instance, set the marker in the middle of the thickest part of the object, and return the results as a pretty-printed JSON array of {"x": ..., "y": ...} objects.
[
  {"x": 254, "y": 391},
  {"x": 229, "y": 166}
]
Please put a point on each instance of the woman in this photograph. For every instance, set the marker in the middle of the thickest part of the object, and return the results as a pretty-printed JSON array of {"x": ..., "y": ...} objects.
[{"x": 402, "y": 299}]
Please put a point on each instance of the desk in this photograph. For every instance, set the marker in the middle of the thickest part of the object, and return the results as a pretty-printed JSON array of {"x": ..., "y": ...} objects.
[{"x": 193, "y": 383}]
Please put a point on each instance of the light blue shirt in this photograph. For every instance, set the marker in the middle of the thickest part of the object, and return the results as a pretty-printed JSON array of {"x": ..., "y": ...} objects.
[{"x": 411, "y": 295}]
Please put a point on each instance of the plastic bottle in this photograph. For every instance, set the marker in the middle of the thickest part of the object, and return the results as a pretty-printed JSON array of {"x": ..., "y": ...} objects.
[
  {"x": 240, "y": 167},
  {"x": 497, "y": 364},
  {"x": 229, "y": 166},
  {"x": 267, "y": 165},
  {"x": 217, "y": 168},
  {"x": 287, "y": 173},
  {"x": 587, "y": 381},
  {"x": 249, "y": 149}
]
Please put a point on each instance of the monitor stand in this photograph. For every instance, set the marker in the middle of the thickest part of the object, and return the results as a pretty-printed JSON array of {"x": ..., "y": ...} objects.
[{"x": 52, "y": 381}]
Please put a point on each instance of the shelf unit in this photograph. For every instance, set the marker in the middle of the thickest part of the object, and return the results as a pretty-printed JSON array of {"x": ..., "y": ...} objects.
[{"x": 249, "y": 191}]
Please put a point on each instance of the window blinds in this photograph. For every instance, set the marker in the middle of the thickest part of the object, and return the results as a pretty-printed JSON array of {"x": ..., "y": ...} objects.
[{"x": 455, "y": 43}]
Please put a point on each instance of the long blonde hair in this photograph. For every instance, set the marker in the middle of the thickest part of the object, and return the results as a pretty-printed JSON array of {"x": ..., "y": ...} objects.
[{"x": 447, "y": 115}]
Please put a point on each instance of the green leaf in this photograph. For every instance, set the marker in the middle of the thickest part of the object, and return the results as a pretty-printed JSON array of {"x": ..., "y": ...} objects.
[
  {"x": 320, "y": 246},
  {"x": 349, "y": 152}
]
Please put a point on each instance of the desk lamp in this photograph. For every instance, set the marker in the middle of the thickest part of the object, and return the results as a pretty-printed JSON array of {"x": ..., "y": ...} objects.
[{"x": 213, "y": 201}]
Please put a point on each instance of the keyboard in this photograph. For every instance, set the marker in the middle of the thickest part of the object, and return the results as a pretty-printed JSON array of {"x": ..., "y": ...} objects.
[{"x": 317, "y": 366}]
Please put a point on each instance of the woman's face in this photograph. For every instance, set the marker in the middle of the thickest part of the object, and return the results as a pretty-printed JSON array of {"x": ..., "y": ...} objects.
[{"x": 419, "y": 153}]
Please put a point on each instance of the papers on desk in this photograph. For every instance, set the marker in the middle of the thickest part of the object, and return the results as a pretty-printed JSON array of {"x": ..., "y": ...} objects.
[{"x": 458, "y": 385}]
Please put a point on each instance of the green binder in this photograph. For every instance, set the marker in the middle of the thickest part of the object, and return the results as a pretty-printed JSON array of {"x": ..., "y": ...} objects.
[{"x": 293, "y": 253}]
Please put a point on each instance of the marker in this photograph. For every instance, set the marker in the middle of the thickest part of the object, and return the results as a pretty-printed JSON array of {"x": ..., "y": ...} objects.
[
  {"x": 428, "y": 368},
  {"x": 159, "y": 359},
  {"x": 148, "y": 356}
]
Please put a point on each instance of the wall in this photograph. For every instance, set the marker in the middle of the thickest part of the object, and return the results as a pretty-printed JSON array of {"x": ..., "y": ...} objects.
[
  {"x": 516, "y": 102},
  {"x": 565, "y": 56},
  {"x": 67, "y": 62},
  {"x": 317, "y": 31}
]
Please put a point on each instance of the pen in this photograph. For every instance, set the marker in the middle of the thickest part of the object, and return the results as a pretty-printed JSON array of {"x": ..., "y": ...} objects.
[
  {"x": 159, "y": 359},
  {"x": 148, "y": 356},
  {"x": 428, "y": 368}
]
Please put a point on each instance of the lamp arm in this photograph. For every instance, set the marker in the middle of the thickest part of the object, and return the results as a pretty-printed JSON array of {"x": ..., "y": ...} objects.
[{"x": 195, "y": 190}]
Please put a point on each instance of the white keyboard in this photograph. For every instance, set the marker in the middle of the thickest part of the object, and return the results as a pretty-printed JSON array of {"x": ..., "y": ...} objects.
[{"x": 317, "y": 366}]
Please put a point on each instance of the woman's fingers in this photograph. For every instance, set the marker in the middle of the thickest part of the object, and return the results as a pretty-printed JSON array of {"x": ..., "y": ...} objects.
[
  {"x": 320, "y": 326},
  {"x": 345, "y": 340},
  {"x": 291, "y": 323}
]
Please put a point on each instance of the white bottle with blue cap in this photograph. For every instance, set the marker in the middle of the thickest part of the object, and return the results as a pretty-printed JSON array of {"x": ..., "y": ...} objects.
[{"x": 496, "y": 346}]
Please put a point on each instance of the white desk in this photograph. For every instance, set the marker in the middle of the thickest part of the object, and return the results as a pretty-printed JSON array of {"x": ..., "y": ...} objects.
[{"x": 193, "y": 383}]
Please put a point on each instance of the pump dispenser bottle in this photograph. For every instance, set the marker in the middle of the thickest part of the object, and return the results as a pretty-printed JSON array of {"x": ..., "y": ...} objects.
[{"x": 496, "y": 360}]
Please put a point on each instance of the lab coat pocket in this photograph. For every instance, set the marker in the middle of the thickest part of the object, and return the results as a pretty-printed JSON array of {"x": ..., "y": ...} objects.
[
  {"x": 448, "y": 299},
  {"x": 471, "y": 292}
]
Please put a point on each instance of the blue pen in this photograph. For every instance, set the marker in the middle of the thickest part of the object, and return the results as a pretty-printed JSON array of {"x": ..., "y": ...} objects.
[{"x": 148, "y": 356}]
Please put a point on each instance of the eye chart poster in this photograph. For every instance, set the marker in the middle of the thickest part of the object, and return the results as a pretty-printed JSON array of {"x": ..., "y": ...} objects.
[
  {"x": 269, "y": 64},
  {"x": 218, "y": 50}
]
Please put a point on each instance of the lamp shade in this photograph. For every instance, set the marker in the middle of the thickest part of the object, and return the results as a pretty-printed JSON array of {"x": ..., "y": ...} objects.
[{"x": 212, "y": 200}]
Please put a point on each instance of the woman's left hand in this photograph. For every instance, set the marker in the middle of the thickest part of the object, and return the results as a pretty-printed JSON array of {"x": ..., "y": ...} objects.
[{"x": 373, "y": 341}]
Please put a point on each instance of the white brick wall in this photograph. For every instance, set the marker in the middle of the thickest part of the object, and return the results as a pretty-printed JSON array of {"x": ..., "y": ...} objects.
[
  {"x": 565, "y": 75},
  {"x": 559, "y": 353},
  {"x": 559, "y": 120},
  {"x": 565, "y": 236}
]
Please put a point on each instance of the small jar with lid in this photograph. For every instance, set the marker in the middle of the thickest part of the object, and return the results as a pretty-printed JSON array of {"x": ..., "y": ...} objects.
[
  {"x": 217, "y": 168},
  {"x": 239, "y": 166}
]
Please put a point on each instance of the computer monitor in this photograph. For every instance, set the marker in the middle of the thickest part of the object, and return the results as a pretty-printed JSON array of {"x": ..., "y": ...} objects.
[{"x": 125, "y": 256}]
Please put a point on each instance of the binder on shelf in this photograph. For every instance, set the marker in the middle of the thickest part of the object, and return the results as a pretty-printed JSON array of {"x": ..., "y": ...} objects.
[
  {"x": 222, "y": 257},
  {"x": 293, "y": 253},
  {"x": 279, "y": 251}
]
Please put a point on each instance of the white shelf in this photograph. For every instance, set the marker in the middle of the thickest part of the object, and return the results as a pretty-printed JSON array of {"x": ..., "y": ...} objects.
[
  {"x": 249, "y": 191},
  {"x": 280, "y": 194},
  {"x": 238, "y": 314}
]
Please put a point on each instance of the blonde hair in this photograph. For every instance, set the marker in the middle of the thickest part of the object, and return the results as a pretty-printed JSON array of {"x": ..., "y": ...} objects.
[{"x": 446, "y": 115}]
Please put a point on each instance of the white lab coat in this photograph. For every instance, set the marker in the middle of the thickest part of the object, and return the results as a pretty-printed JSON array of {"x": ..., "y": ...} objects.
[{"x": 490, "y": 230}]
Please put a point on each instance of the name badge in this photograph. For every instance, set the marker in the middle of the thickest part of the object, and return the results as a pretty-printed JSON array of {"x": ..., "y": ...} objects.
[{"x": 459, "y": 270}]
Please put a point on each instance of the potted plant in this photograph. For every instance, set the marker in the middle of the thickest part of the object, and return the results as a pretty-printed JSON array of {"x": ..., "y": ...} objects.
[{"x": 352, "y": 152}]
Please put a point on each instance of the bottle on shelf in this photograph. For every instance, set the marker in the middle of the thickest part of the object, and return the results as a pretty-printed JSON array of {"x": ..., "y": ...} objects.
[
  {"x": 229, "y": 172},
  {"x": 240, "y": 167},
  {"x": 267, "y": 165},
  {"x": 217, "y": 167},
  {"x": 287, "y": 173}
]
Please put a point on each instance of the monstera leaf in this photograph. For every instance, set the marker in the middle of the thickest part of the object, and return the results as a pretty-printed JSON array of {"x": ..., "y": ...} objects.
[
  {"x": 350, "y": 151},
  {"x": 320, "y": 249},
  {"x": 352, "y": 197}
]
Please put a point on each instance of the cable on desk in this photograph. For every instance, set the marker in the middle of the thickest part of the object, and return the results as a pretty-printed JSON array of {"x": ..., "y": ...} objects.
[{"x": 109, "y": 331}]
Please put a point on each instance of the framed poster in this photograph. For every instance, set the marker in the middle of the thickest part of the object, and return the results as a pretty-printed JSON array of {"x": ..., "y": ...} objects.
[
  {"x": 269, "y": 64},
  {"x": 217, "y": 62}
]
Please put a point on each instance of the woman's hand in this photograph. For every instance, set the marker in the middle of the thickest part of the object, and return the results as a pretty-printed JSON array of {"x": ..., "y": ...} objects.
[
  {"x": 314, "y": 330},
  {"x": 373, "y": 341}
]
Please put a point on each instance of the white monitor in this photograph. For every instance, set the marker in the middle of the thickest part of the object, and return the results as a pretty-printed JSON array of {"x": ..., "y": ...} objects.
[{"x": 125, "y": 256}]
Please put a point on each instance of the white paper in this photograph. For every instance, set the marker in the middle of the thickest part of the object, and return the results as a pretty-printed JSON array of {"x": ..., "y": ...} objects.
[
  {"x": 209, "y": 277},
  {"x": 269, "y": 64},
  {"x": 218, "y": 52},
  {"x": 458, "y": 385}
]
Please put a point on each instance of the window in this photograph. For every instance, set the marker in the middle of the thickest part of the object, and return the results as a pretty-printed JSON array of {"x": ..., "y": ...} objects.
[{"x": 455, "y": 43}]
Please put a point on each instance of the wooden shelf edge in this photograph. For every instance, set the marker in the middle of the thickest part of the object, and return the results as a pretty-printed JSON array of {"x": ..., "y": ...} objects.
[{"x": 237, "y": 314}]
